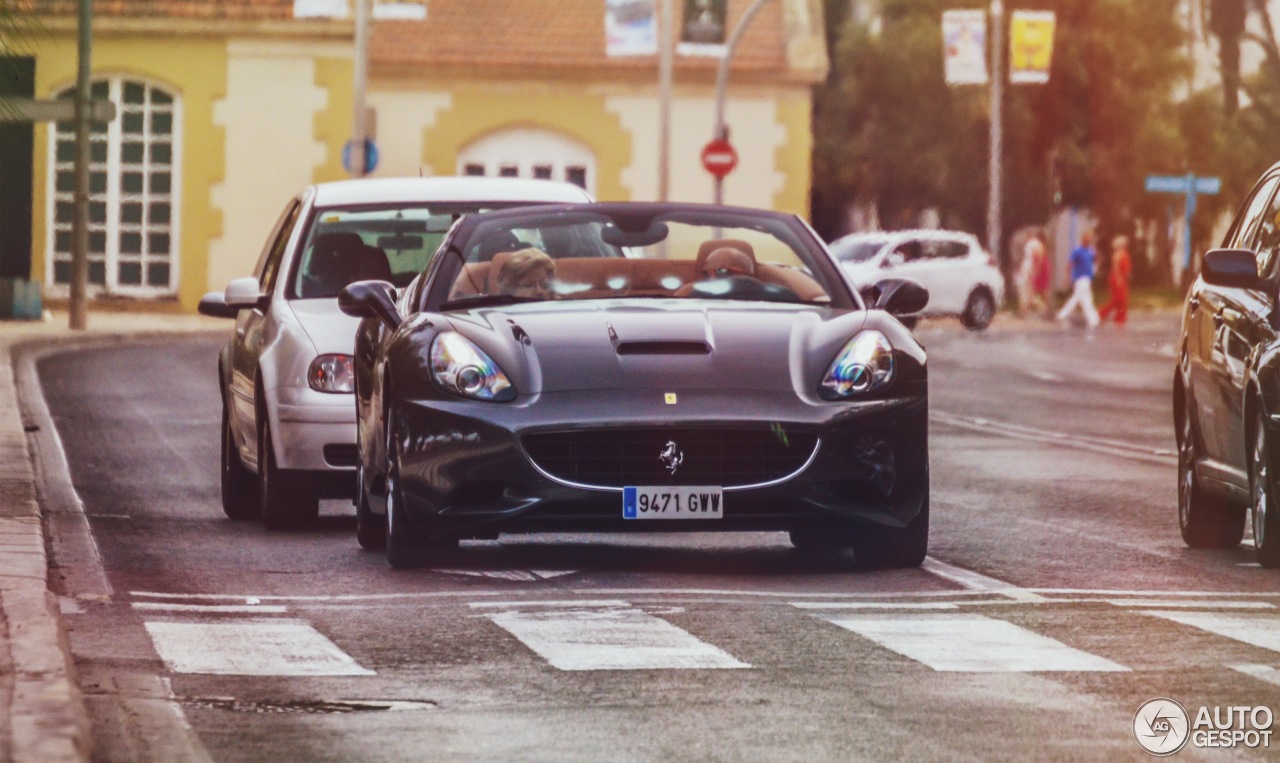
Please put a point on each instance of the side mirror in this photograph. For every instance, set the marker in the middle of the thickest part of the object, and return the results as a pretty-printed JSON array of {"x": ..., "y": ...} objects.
[
  {"x": 901, "y": 296},
  {"x": 370, "y": 299},
  {"x": 1231, "y": 268},
  {"x": 244, "y": 292},
  {"x": 214, "y": 305}
]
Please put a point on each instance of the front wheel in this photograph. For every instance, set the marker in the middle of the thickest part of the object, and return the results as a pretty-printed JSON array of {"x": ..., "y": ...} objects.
[
  {"x": 239, "y": 492},
  {"x": 1206, "y": 521},
  {"x": 885, "y": 547},
  {"x": 284, "y": 502},
  {"x": 1266, "y": 518},
  {"x": 978, "y": 311}
]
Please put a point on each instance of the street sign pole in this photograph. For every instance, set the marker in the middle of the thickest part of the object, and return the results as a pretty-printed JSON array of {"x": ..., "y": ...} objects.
[
  {"x": 360, "y": 77},
  {"x": 722, "y": 82},
  {"x": 78, "y": 309},
  {"x": 666, "y": 31}
]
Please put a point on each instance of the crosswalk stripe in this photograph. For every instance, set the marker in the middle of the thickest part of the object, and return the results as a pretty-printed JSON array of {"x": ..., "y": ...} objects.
[
  {"x": 1256, "y": 630},
  {"x": 610, "y": 638},
  {"x": 971, "y": 643},
  {"x": 250, "y": 648}
]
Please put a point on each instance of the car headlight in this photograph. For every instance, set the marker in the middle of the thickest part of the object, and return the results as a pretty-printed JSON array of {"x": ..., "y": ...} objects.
[
  {"x": 864, "y": 366},
  {"x": 464, "y": 369},
  {"x": 332, "y": 373}
]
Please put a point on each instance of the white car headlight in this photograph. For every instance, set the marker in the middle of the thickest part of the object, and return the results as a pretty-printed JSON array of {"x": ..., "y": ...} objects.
[
  {"x": 460, "y": 367},
  {"x": 332, "y": 373},
  {"x": 864, "y": 366}
]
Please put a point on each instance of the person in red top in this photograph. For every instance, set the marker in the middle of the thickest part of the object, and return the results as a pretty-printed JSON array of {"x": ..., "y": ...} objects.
[{"x": 1121, "y": 270}]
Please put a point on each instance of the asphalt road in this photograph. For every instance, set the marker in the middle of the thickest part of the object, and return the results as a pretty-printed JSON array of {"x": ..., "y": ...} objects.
[{"x": 1058, "y": 597}]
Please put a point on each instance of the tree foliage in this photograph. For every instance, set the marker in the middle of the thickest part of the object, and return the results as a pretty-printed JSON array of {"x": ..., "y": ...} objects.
[{"x": 889, "y": 131}]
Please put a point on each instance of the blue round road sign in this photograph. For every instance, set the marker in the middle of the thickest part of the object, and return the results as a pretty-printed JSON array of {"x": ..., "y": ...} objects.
[{"x": 370, "y": 156}]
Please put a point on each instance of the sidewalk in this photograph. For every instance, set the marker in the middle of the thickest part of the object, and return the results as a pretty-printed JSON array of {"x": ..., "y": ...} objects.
[{"x": 42, "y": 715}]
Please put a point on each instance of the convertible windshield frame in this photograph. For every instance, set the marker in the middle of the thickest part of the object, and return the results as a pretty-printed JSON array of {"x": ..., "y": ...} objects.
[{"x": 633, "y": 229}]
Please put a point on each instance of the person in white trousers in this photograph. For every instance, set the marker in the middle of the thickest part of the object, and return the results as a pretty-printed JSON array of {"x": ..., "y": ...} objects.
[{"x": 1082, "y": 260}]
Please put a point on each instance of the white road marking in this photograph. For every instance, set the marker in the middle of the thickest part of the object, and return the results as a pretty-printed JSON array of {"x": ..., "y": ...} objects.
[
  {"x": 524, "y": 576},
  {"x": 611, "y": 638},
  {"x": 1260, "y": 672},
  {"x": 157, "y": 606},
  {"x": 1149, "y": 592},
  {"x": 976, "y": 581},
  {"x": 551, "y": 603},
  {"x": 874, "y": 605},
  {"x": 1262, "y": 631},
  {"x": 1045, "y": 376},
  {"x": 1156, "y": 603},
  {"x": 972, "y": 644},
  {"x": 1081, "y": 442},
  {"x": 250, "y": 648}
]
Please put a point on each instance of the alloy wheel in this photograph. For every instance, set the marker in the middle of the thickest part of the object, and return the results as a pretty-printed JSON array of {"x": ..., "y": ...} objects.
[{"x": 1261, "y": 474}]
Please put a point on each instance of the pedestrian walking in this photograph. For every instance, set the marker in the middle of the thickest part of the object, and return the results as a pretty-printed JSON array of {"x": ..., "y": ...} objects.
[
  {"x": 1033, "y": 275},
  {"x": 1082, "y": 261},
  {"x": 1121, "y": 270}
]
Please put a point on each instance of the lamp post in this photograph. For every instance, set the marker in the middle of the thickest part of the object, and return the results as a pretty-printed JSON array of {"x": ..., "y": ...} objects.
[{"x": 994, "y": 199}]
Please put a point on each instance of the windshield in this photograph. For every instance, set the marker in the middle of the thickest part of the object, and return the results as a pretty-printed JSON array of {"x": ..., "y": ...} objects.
[
  {"x": 700, "y": 254},
  {"x": 391, "y": 243},
  {"x": 856, "y": 251}
]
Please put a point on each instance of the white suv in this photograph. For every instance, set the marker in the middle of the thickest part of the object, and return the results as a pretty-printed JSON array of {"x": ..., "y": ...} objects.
[{"x": 962, "y": 278}]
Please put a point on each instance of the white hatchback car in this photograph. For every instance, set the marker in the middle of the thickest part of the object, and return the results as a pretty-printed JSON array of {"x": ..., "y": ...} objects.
[
  {"x": 962, "y": 278},
  {"x": 285, "y": 374}
]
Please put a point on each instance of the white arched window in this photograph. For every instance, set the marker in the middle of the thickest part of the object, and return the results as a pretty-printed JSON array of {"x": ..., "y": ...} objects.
[
  {"x": 530, "y": 153},
  {"x": 133, "y": 193}
]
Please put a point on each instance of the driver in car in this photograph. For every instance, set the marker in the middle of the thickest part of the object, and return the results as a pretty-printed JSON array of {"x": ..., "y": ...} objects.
[{"x": 528, "y": 273}]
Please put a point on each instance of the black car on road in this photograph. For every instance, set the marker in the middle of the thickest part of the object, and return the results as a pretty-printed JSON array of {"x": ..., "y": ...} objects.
[
  {"x": 639, "y": 367},
  {"x": 1226, "y": 388}
]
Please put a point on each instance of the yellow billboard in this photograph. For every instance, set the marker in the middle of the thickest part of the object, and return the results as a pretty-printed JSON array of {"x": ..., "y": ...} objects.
[{"x": 1030, "y": 46}]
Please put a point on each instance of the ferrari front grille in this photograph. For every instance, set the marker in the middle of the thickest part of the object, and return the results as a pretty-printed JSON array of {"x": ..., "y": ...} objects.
[{"x": 619, "y": 457}]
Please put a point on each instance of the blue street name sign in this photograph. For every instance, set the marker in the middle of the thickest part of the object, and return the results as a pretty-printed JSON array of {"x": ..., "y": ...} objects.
[
  {"x": 1182, "y": 184},
  {"x": 1190, "y": 186}
]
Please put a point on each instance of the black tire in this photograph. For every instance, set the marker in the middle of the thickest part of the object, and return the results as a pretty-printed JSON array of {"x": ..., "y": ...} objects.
[
  {"x": 285, "y": 503},
  {"x": 407, "y": 546},
  {"x": 239, "y": 485},
  {"x": 893, "y": 548},
  {"x": 371, "y": 529},
  {"x": 979, "y": 311},
  {"x": 1206, "y": 521},
  {"x": 1266, "y": 516}
]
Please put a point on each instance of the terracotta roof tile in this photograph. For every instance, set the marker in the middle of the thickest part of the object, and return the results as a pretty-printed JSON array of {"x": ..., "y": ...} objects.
[{"x": 565, "y": 34}]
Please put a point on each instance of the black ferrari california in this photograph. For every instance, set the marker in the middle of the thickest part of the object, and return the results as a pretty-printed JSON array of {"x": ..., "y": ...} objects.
[{"x": 639, "y": 367}]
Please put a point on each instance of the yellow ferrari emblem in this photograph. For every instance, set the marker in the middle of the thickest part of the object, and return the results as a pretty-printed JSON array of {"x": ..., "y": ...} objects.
[{"x": 670, "y": 397}]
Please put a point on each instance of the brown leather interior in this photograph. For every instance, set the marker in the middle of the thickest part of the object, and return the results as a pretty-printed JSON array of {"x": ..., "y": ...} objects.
[{"x": 597, "y": 277}]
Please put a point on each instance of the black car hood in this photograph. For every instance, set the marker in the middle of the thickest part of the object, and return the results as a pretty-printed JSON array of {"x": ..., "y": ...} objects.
[{"x": 668, "y": 345}]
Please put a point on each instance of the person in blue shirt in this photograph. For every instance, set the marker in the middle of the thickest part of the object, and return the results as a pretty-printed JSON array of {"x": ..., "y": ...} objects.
[{"x": 1082, "y": 259}]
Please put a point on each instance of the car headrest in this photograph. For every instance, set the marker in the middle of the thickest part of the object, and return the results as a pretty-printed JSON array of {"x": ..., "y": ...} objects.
[
  {"x": 699, "y": 263},
  {"x": 372, "y": 265},
  {"x": 496, "y": 242}
]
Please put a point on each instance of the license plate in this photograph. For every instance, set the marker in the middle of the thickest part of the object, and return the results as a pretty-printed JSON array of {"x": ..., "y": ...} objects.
[{"x": 673, "y": 502}]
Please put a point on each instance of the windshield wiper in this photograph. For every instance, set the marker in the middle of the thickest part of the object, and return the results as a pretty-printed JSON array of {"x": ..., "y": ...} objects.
[{"x": 486, "y": 300}]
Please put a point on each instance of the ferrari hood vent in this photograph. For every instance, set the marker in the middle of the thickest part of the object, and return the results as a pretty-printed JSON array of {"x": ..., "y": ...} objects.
[{"x": 663, "y": 348}]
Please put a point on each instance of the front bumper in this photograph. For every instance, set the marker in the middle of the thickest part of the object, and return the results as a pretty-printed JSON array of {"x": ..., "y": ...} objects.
[
  {"x": 465, "y": 471},
  {"x": 316, "y": 431}
]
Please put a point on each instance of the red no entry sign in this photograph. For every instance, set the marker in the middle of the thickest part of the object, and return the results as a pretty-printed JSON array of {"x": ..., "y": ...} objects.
[{"x": 719, "y": 158}]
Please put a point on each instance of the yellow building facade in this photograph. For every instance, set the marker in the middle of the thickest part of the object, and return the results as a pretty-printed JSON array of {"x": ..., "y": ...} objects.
[{"x": 222, "y": 119}]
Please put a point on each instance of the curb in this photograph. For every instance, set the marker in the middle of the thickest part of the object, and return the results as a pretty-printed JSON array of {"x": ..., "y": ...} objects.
[
  {"x": 47, "y": 717},
  {"x": 43, "y": 717}
]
